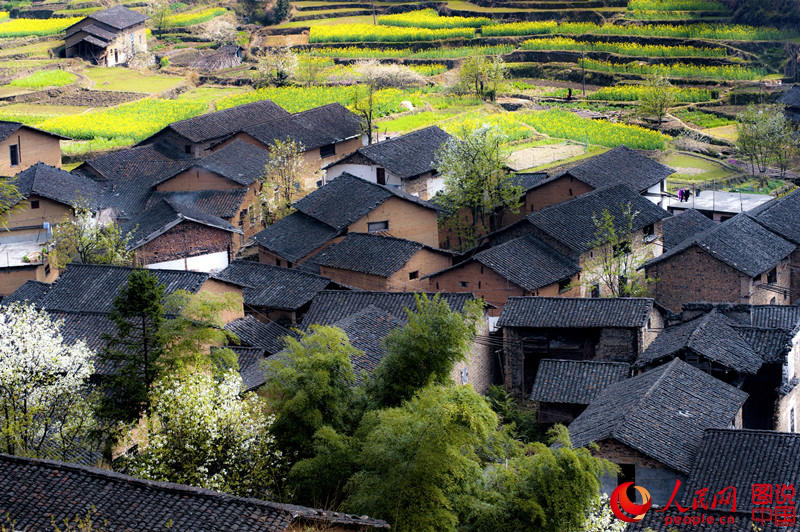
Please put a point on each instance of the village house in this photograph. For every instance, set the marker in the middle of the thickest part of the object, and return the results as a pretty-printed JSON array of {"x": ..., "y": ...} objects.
[
  {"x": 737, "y": 261},
  {"x": 728, "y": 467},
  {"x": 406, "y": 162},
  {"x": 535, "y": 328},
  {"x": 40, "y": 492},
  {"x": 23, "y": 146},
  {"x": 683, "y": 225},
  {"x": 272, "y": 293},
  {"x": 652, "y": 425},
  {"x": 107, "y": 37},
  {"x": 346, "y": 205},
  {"x": 564, "y": 388},
  {"x": 195, "y": 136},
  {"x": 378, "y": 262},
  {"x": 791, "y": 99},
  {"x": 718, "y": 205},
  {"x": 525, "y": 266},
  {"x": 351, "y": 310}
]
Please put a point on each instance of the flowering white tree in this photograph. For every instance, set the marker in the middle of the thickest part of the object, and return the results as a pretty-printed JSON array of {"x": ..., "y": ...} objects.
[
  {"x": 600, "y": 518},
  {"x": 204, "y": 434},
  {"x": 45, "y": 406}
]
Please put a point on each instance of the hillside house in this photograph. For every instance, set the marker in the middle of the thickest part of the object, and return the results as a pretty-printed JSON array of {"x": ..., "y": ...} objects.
[
  {"x": 346, "y": 205},
  {"x": 406, "y": 162},
  {"x": 652, "y": 425},
  {"x": 126, "y": 499},
  {"x": 376, "y": 262},
  {"x": 23, "y": 146},
  {"x": 108, "y": 37},
  {"x": 524, "y": 266},
  {"x": 535, "y": 328},
  {"x": 737, "y": 261},
  {"x": 791, "y": 99}
]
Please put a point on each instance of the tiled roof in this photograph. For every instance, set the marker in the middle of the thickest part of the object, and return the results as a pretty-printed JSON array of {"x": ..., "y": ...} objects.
[
  {"x": 529, "y": 180},
  {"x": 295, "y": 236},
  {"x": 772, "y": 345},
  {"x": 571, "y": 222},
  {"x": 251, "y": 360},
  {"x": 222, "y": 203},
  {"x": 255, "y": 333},
  {"x": 366, "y": 330},
  {"x": 791, "y": 97},
  {"x": 408, "y": 155},
  {"x": 621, "y": 165},
  {"x": 666, "y": 411},
  {"x": 274, "y": 287},
  {"x": 740, "y": 242},
  {"x": 7, "y": 128},
  {"x": 775, "y": 316},
  {"x": 313, "y": 128},
  {"x": 58, "y": 185},
  {"x": 97, "y": 31},
  {"x": 331, "y": 306},
  {"x": 371, "y": 254},
  {"x": 569, "y": 312},
  {"x": 575, "y": 382},
  {"x": 780, "y": 216},
  {"x": 35, "y": 493},
  {"x": 347, "y": 199},
  {"x": 711, "y": 336},
  {"x": 681, "y": 226},
  {"x": 165, "y": 215},
  {"x": 239, "y": 161},
  {"x": 89, "y": 328},
  {"x": 119, "y": 17},
  {"x": 92, "y": 288},
  {"x": 30, "y": 291},
  {"x": 219, "y": 124}
]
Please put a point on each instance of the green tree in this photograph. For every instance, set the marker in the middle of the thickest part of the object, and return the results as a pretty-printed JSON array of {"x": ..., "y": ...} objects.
[
  {"x": 519, "y": 421},
  {"x": 483, "y": 76},
  {"x": 545, "y": 488},
  {"x": 83, "y": 239},
  {"x": 135, "y": 351},
  {"x": 159, "y": 11},
  {"x": 284, "y": 173},
  {"x": 766, "y": 137},
  {"x": 659, "y": 97},
  {"x": 478, "y": 188},
  {"x": 10, "y": 199},
  {"x": 425, "y": 350},
  {"x": 417, "y": 460},
  {"x": 311, "y": 386},
  {"x": 281, "y": 11}
]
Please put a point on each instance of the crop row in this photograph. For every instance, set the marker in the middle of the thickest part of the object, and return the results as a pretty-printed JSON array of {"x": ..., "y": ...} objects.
[
  {"x": 370, "y": 33},
  {"x": 428, "y": 18},
  {"x": 623, "y": 48},
  {"x": 677, "y": 70},
  {"x": 191, "y": 18},
  {"x": 358, "y": 52},
  {"x": 632, "y": 93},
  {"x": 703, "y": 120},
  {"x": 20, "y": 27},
  {"x": 45, "y": 78},
  {"x": 676, "y": 5}
]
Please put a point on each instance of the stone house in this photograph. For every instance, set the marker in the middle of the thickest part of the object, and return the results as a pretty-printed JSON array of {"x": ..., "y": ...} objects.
[
  {"x": 126, "y": 499},
  {"x": 368, "y": 316},
  {"x": 535, "y": 328},
  {"x": 652, "y": 425},
  {"x": 107, "y": 37},
  {"x": 524, "y": 266},
  {"x": 346, "y": 205},
  {"x": 276, "y": 294},
  {"x": 683, "y": 225},
  {"x": 564, "y": 388},
  {"x": 406, "y": 162},
  {"x": 23, "y": 146},
  {"x": 737, "y": 261},
  {"x": 371, "y": 261}
]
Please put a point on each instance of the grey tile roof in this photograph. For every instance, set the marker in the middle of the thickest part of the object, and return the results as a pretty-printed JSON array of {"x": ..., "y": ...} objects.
[
  {"x": 250, "y": 360},
  {"x": 219, "y": 124},
  {"x": 165, "y": 215},
  {"x": 347, "y": 199},
  {"x": 571, "y": 222},
  {"x": 313, "y": 128},
  {"x": 621, "y": 165},
  {"x": 569, "y": 312},
  {"x": 90, "y": 328},
  {"x": 681, "y": 226},
  {"x": 791, "y": 97},
  {"x": 295, "y": 236},
  {"x": 7, "y": 128},
  {"x": 58, "y": 185},
  {"x": 35, "y": 491},
  {"x": 30, "y": 291},
  {"x": 331, "y": 306},
  {"x": 780, "y": 216},
  {"x": 97, "y": 31},
  {"x": 740, "y": 242},
  {"x": 408, "y": 155},
  {"x": 92, "y": 288},
  {"x": 222, "y": 203},
  {"x": 371, "y": 254},
  {"x": 711, "y": 336},
  {"x": 119, "y": 17},
  {"x": 772, "y": 345},
  {"x": 366, "y": 330},
  {"x": 255, "y": 333},
  {"x": 667, "y": 409},
  {"x": 529, "y": 180},
  {"x": 575, "y": 382},
  {"x": 274, "y": 287},
  {"x": 239, "y": 161},
  {"x": 775, "y": 316}
]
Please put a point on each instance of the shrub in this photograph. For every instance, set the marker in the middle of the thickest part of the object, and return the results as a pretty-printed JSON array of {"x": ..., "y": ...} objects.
[{"x": 632, "y": 93}]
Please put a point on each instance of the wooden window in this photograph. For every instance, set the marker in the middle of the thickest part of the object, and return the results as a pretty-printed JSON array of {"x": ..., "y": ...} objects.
[
  {"x": 649, "y": 230},
  {"x": 35, "y": 204},
  {"x": 377, "y": 227},
  {"x": 563, "y": 286},
  {"x": 463, "y": 284},
  {"x": 187, "y": 148},
  {"x": 252, "y": 217},
  {"x": 414, "y": 274},
  {"x": 47, "y": 269},
  {"x": 13, "y": 154},
  {"x": 327, "y": 150},
  {"x": 772, "y": 276},
  {"x": 570, "y": 192},
  {"x": 277, "y": 262},
  {"x": 380, "y": 175},
  {"x": 595, "y": 291}
]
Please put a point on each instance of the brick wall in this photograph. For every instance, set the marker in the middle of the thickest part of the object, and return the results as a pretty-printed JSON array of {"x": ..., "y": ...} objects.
[
  {"x": 406, "y": 220},
  {"x": 213, "y": 286},
  {"x": 187, "y": 239},
  {"x": 478, "y": 365},
  {"x": 618, "y": 345},
  {"x": 25, "y": 216},
  {"x": 559, "y": 190},
  {"x": 33, "y": 147},
  {"x": 267, "y": 257},
  {"x": 197, "y": 179},
  {"x": 423, "y": 262},
  {"x": 13, "y": 278},
  {"x": 513, "y": 361},
  {"x": 763, "y": 293}
]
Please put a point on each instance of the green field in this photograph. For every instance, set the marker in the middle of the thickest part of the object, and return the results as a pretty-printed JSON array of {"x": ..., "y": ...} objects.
[{"x": 118, "y": 79}]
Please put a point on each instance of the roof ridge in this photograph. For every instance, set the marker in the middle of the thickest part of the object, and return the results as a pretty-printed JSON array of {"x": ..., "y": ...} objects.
[
  {"x": 610, "y": 362},
  {"x": 753, "y": 431}
]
